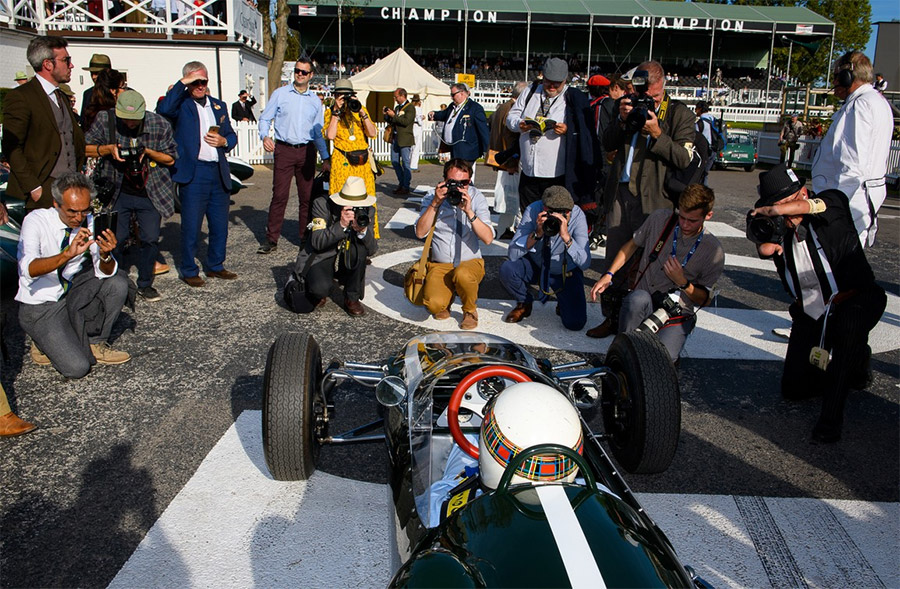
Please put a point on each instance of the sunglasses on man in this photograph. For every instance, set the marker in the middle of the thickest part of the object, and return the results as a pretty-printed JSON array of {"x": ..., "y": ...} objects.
[
  {"x": 199, "y": 83},
  {"x": 302, "y": 72}
]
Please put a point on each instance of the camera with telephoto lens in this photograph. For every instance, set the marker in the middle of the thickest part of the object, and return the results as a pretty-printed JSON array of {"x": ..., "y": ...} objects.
[
  {"x": 134, "y": 165},
  {"x": 762, "y": 229},
  {"x": 552, "y": 225},
  {"x": 361, "y": 215},
  {"x": 350, "y": 101},
  {"x": 667, "y": 305},
  {"x": 454, "y": 191},
  {"x": 641, "y": 102}
]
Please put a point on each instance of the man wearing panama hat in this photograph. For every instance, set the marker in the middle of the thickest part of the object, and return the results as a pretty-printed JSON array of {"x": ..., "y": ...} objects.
[{"x": 339, "y": 229}]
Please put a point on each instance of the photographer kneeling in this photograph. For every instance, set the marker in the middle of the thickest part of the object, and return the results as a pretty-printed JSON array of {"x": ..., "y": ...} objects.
[
  {"x": 680, "y": 265},
  {"x": 550, "y": 249},
  {"x": 339, "y": 229},
  {"x": 458, "y": 213},
  {"x": 818, "y": 255},
  {"x": 134, "y": 145}
]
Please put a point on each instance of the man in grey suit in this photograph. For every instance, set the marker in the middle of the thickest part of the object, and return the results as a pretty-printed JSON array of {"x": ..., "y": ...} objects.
[{"x": 41, "y": 136}]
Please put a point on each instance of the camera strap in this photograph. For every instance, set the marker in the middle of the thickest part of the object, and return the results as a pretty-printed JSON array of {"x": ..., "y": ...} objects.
[{"x": 660, "y": 242}]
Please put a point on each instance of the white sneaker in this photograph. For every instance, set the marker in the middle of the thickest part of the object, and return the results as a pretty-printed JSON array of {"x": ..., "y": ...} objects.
[{"x": 782, "y": 332}]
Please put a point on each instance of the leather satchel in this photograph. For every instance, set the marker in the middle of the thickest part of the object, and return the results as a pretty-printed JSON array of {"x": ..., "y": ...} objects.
[
  {"x": 388, "y": 134},
  {"x": 414, "y": 281}
]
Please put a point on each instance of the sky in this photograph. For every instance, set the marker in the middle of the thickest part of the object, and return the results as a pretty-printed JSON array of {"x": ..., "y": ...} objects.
[{"x": 881, "y": 10}]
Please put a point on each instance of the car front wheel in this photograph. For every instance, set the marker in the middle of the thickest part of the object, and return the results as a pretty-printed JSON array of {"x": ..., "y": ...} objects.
[
  {"x": 641, "y": 403},
  {"x": 293, "y": 409}
]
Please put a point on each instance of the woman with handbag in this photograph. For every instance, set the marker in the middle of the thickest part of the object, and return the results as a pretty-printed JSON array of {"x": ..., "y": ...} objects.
[{"x": 348, "y": 127}]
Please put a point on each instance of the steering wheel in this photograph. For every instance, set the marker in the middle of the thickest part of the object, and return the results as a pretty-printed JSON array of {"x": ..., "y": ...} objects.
[{"x": 457, "y": 396}]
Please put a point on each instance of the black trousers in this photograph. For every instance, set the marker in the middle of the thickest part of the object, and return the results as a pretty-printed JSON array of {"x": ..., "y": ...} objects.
[
  {"x": 321, "y": 276},
  {"x": 531, "y": 189},
  {"x": 846, "y": 335}
]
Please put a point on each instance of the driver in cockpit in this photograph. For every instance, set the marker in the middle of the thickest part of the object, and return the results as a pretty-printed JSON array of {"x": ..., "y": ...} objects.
[{"x": 521, "y": 416}]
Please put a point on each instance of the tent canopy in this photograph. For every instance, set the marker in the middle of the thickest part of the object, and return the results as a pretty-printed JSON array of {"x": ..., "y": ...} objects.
[{"x": 398, "y": 70}]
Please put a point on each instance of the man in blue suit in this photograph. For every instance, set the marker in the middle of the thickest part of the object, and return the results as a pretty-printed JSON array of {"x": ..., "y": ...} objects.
[
  {"x": 465, "y": 126},
  {"x": 201, "y": 169}
]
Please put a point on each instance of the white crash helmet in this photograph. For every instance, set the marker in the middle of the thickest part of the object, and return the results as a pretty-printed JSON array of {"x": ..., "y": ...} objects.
[{"x": 524, "y": 415}]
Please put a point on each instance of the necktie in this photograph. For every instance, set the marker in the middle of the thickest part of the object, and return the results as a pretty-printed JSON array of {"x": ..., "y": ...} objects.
[
  {"x": 61, "y": 100},
  {"x": 62, "y": 247},
  {"x": 545, "y": 108}
]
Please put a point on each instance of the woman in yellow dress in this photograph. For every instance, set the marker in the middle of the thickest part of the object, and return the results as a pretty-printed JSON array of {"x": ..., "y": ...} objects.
[{"x": 348, "y": 127}]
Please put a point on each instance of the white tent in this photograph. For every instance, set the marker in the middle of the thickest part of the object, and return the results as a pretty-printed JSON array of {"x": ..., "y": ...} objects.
[{"x": 398, "y": 70}]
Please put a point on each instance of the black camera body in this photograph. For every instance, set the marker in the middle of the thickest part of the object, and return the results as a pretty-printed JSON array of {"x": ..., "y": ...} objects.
[
  {"x": 552, "y": 225},
  {"x": 361, "y": 215},
  {"x": 641, "y": 102},
  {"x": 132, "y": 156},
  {"x": 454, "y": 191},
  {"x": 762, "y": 229},
  {"x": 351, "y": 102}
]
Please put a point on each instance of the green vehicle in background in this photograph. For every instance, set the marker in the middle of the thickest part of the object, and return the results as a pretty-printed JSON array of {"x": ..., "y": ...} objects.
[{"x": 740, "y": 150}]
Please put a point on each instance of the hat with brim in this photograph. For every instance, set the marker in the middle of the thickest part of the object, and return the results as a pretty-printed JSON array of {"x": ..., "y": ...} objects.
[
  {"x": 557, "y": 198},
  {"x": 98, "y": 63},
  {"x": 130, "y": 105},
  {"x": 343, "y": 86},
  {"x": 20, "y": 76},
  {"x": 556, "y": 70},
  {"x": 353, "y": 194},
  {"x": 67, "y": 90},
  {"x": 778, "y": 183},
  {"x": 627, "y": 76}
]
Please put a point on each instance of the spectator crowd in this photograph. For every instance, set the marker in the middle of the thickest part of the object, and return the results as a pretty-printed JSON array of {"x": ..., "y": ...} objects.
[{"x": 624, "y": 162}]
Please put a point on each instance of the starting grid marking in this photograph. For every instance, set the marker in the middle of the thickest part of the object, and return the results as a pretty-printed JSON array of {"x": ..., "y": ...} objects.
[
  {"x": 233, "y": 526},
  {"x": 731, "y": 334}
]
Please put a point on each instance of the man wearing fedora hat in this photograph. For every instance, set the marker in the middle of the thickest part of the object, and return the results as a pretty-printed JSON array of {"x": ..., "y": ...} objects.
[
  {"x": 339, "y": 229},
  {"x": 97, "y": 64},
  {"x": 20, "y": 78},
  {"x": 813, "y": 241}
]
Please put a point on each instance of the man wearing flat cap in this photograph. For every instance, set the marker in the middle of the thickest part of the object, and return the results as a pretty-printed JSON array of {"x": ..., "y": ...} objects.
[
  {"x": 816, "y": 249},
  {"x": 554, "y": 137},
  {"x": 679, "y": 268},
  {"x": 550, "y": 250},
  {"x": 340, "y": 236}
]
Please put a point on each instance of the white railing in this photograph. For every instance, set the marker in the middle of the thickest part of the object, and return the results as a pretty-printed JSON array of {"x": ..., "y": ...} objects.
[{"x": 250, "y": 149}]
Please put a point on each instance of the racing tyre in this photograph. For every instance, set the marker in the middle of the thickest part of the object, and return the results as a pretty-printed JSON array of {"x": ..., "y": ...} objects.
[
  {"x": 749, "y": 167},
  {"x": 292, "y": 413},
  {"x": 641, "y": 403}
]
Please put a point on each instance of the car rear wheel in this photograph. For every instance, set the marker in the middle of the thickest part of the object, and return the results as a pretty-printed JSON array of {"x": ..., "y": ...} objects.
[
  {"x": 749, "y": 167},
  {"x": 293, "y": 409},
  {"x": 641, "y": 403}
]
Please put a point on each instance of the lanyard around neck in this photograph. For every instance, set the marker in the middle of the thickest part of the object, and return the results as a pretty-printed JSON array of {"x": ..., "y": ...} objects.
[{"x": 693, "y": 248}]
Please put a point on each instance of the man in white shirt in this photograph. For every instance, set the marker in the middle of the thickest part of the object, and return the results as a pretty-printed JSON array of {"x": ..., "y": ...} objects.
[
  {"x": 69, "y": 307},
  {"x": 853, "y": 154}
]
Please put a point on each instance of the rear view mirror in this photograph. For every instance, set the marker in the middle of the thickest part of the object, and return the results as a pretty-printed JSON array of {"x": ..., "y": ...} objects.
[
  {"x": 390, "y": 391},
  {"x": 584, "y": 392}
]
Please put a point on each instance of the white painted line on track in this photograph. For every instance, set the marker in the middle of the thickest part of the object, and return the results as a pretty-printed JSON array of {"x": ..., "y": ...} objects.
[
  {"x": 233, "y": 526},
  {"x": 744, "y": 334}
]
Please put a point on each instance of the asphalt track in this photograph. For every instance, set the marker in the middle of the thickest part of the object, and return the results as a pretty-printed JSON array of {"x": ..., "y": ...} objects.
[{"x": 150, "y": 474}]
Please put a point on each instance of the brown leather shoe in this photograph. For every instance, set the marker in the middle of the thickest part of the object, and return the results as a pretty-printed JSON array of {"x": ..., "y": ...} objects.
[
  {"x": 160, "y": 268},
  {"x": 605, "y": 329},
  {"x": 38, "y": 357},
  {"x": 470, "y": 320},
  {"x": 442, "y": 315},
  {"x": 521, "y": 311},
  {"x": 322, "y": 303},
  {"x": 354, "y": 308},
  {"x": 106, "y": 355},
  {"x": 12, "y": 425},
  {"x": 223, "y": 274},
  {"x": 194, "y": 281}
]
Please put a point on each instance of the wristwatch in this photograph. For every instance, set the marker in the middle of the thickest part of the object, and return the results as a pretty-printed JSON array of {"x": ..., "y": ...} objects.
[
  {"x": 106, "y": 259},
  {"x": 685, "y": 285}
]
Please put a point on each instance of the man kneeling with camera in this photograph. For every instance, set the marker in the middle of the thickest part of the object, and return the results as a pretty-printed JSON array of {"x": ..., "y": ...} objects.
[
  {"x": 818, "y": 255},
  {"x": 134, "y": 146},
  {"x": 680, "y": 265},
  {"x": 70, "y": 289},
  {"x": 458, "y": 214},
  {"x": 338, "y": 233},
  {"x": 550, "y": 249}
]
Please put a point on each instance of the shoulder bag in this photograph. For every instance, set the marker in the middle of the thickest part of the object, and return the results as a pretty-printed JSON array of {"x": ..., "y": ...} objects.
[
  {"x": 414, "y": 281},
  {"x": 295, "y": 290}
]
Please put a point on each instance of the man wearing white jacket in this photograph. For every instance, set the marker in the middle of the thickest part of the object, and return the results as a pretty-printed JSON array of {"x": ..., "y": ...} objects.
[{"x": 853, "y": 154}]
